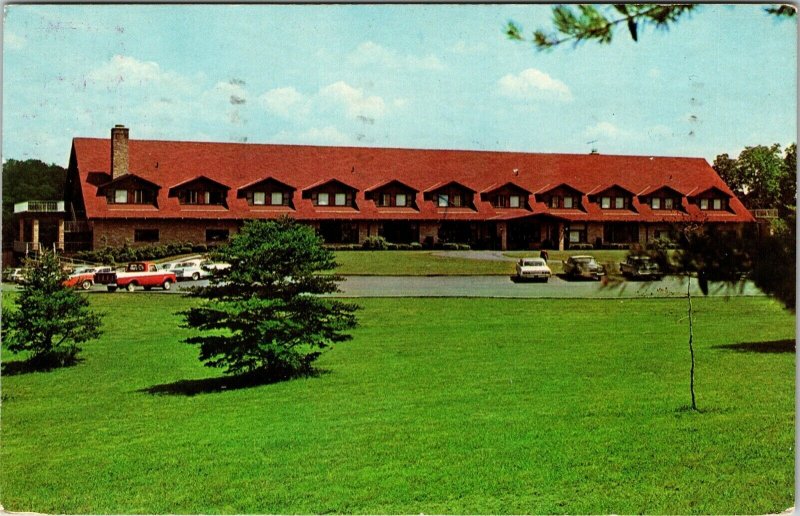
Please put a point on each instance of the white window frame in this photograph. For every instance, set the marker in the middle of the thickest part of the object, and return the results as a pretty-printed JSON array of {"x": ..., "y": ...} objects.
[
  {"x": 669, "y": 203},
  {"x": 339, "y": 199},
  {"x": 120, "y": 196},
  {"x": 554, "y": 202},
  {"x": 655, "y": 203},
  {"x": 276, "y": 198},
  {"x": 207, "y": 197},
  {"x": 323, "y": 199},
  {"x": 703, "y": 204},
  {"x": 619, "y": 203},
  {"x": 568, "y": 202},
  {"x": 574, "y": 236},
  {"x": 400, "y": 199},
  {"x": 717, "y": 204},
  {"x": 458, "y": 200},
  {"x": 513, "y": 201},
  {"x": 605, "y": 202},
  {"x": 259, "y": 198},
  {"x": 443, "y": 200}
]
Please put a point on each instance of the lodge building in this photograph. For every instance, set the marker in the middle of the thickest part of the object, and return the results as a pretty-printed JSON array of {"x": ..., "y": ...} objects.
[{"x": 144, "y": 191}]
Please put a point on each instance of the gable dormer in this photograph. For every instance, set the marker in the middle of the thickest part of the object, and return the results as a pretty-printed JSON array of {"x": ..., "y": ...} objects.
[
  {"x": 711, "y": 199},
  {"x": 201, "y": 190},
  {"x": 613, "y": 197},
  {"x": 331, "y": 193},
  {"x": 509, "y": 195},
  {"x": 130, "y": 189},
  {"x": 392, "y": 194},
  {"x": 561, "y": 197},
  {"x": 450, "y": 195},
  {"x": 663, "y": 198},
  {"x": 267, "y": 192}
]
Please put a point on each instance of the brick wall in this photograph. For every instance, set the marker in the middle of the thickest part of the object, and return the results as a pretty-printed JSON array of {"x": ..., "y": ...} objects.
[{"x": 118, "y": 232}]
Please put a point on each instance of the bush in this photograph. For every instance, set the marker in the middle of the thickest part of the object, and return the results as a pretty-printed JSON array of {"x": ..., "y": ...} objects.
[
  {"x": 377, "y": 243},
  {"x": 463, "y": 247},
  {"x": 404, "y": 247},
  {"x": 391, "y": 247},
  {"x": 450, "y": 246},
  {"x": 415, "y": 246},
  {"x": 581, "y": 247},
  {"x": 199, "y": 248}
]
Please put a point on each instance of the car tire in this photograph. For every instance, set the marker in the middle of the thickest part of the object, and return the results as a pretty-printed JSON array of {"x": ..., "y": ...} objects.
[
  {"x": 195, "y": 276},
  {"x": 86, "y": 285},
  {"x": 131, "y": 287},
  {"x": 166, "y": 285}
]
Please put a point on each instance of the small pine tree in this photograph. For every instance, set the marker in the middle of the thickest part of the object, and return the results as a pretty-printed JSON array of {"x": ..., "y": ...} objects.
[
  {"x": 264, "y": 315},
  {"x": 50, "y": 319}
]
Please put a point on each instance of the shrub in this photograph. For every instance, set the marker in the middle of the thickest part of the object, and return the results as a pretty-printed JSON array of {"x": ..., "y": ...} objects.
[
  {"x": 199, "y": 248},
  {"x": 463, "y": 247},
  {"x": 404, "y": 247},
  {"x": 415, "y": 246},
  {"x": 450, "y": 246},
  {"x": 581, "y": 247},
  {"x": 377, "y": 243},
  {"x": 391, "y": 247}
]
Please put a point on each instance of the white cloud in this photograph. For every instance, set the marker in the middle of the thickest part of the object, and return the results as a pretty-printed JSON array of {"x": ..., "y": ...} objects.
[
  {"x": 124, "y": 70},
  {"x": 285, "y": 102},
  {"x": 328, "y": 135},
  {"x": 533, "y": 84},
  {"x": 370, "y": 53},
  {"x": 355, "y": 102},
  {"x": 607, "y": 131},
  {"x": 13, "y": 42}
]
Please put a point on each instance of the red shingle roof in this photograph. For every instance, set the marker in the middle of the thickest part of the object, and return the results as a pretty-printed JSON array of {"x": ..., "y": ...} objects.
[{"x": 169, "y": 163}]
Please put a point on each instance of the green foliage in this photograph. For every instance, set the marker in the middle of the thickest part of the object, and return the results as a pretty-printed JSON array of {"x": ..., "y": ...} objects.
[
  {"x": 375, "y": 243},
  {"x": 29, "y": 180},
  {"x": 587, "y": 22},
  {"x": 127, "y": 253},
  {"x": 761, "y": 177},
  {"x": 51, "y": 319},
  {"x": 774, "y": 263},
  {"x": 264, "y": 314}
]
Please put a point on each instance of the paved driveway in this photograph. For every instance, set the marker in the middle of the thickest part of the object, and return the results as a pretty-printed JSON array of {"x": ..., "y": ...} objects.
[{"x": 502, "y": 286}]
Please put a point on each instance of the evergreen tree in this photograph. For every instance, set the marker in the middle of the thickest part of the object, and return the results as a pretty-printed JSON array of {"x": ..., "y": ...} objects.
[{"x": 265, "y": 315}]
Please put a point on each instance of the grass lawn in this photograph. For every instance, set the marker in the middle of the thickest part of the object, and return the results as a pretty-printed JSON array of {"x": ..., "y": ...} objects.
[
  {"x": 436, "y": 406},
  {"x": 422, "y": 263}
]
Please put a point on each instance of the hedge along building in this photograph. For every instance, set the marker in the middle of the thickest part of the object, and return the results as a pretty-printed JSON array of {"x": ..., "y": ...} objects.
[{"x": 144, "y": 191}]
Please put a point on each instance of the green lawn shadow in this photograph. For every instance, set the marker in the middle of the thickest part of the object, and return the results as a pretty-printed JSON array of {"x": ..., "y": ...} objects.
[
  {"x": 27, "y": 366},
  {"x": 775, "y": 346},
  {"x": 223, "y": 383}
]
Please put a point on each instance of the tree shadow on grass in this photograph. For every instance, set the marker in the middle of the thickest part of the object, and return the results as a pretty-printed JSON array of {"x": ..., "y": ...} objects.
[
  {"x": 775, "y": 346},
  {"x": 224, "y": 383},
  {"x": 37, "y": 365}
]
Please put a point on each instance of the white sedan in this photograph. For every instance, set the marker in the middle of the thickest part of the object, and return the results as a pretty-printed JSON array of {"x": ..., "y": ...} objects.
[{"x": 533, "y": 269}]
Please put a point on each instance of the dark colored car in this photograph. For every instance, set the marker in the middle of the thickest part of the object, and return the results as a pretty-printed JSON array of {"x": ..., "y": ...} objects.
[
  {"x": 642, "y": 267},
  {"x": 583, "y": 266}
]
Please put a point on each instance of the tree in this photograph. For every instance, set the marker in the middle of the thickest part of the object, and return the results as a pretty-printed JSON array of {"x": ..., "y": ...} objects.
[
  {"x": 264, "y": 315},
  {"x": 591, "y": 22},
  {"x": 26, "y": 181},
  {"x": 759, "y": 175},
  {"x": 51, "y": 319}
]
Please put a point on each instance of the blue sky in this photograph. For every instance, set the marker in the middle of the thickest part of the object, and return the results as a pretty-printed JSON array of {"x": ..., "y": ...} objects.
[{"x": 419, "y": 76}]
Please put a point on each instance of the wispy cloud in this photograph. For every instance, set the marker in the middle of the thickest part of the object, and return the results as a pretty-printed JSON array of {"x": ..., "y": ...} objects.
[
  {"x": 533, "y": 84},
  {"x": 286, "y": 103},
  {"x": 128, "y": 71},
  {"x": 354, "y": 101},
  {"x": 338, "y": 97},
  {"x": 370, "y": 53}
]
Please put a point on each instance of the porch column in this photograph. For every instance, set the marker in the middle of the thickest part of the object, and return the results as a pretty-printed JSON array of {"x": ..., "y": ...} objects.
[
  {"x": 560, "y": 236},
  {"x": 60, "y": 244},
  {"x": 35, "y": 232},
  {"x": 502, "y": 232}
]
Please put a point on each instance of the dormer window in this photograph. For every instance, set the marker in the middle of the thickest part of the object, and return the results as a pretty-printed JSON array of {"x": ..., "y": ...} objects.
[
  {"x": 508, "y": 195},
  {"x": 331, "y": 193},
  {"x": 561, "y": 197},
  {"x": 392, "y": 194},
  {"x": 130, "y": 189},
  {"x": 714, "y": 203},
  {"x": 200, "y": 191},
  {"x": 613, "y": 198},
  {"x": 450, "y": 195},
  {"x": 712, "y": 199},
  {"x": 664, "y": 198},
  {"x": 267, "y": 192}
]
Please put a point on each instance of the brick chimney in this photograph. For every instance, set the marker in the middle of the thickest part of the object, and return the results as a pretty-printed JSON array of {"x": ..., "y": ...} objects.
[{"x": 119, "y": 151}]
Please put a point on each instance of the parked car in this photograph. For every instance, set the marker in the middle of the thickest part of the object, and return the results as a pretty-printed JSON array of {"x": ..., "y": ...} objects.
[
  {"x": 583, "y": 266},
  {"x": 641, "y": 267},
  {"x": 196, "y": 269},
  {"x": 136, "y": 274},
  {"x": 533, "y": 269},
  {"x": 81, "y": 278}
]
